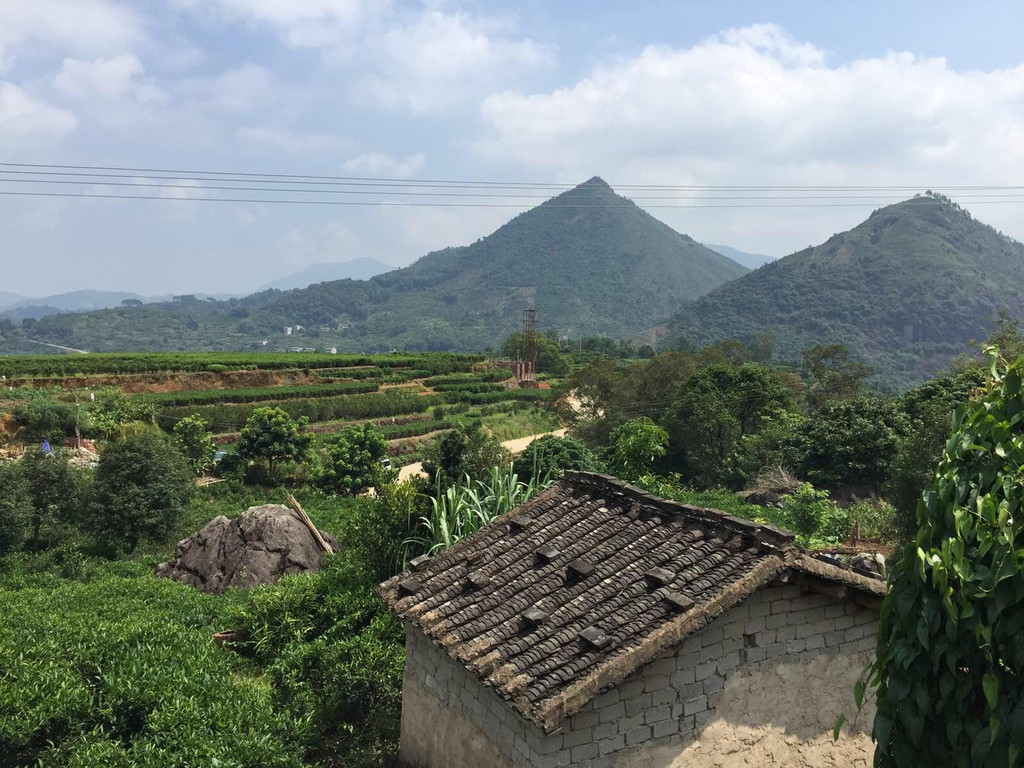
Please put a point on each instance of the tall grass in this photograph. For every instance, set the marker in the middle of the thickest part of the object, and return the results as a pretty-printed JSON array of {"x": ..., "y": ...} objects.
[{"x": 462, "y": 509}]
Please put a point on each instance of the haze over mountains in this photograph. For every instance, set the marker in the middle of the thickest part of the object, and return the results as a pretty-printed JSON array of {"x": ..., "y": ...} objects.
[
  {"x": 905, "y": 290},
  {"x": 362, "y": 268},
  {"x": 748, "y": 260}
]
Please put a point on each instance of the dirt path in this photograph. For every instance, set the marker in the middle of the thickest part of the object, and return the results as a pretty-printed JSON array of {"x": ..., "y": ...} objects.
[{"x": 513, "y": 447}]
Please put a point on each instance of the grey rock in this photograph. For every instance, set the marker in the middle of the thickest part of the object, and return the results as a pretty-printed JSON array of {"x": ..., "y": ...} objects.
[
  {"x": 258, "y": 547},
  {"x": 869, "y": 564}
]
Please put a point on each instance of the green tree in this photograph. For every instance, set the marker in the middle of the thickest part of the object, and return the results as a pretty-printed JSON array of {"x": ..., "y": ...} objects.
[
  {"x": 834, "y": 374},
  {"x": 141, "y": 490},
  {"x": 851, "y": 442},
  {"x": 15, "y": 507},
  {"x": 713, "y": 412},
  {"x": 53, "y": 490},
  {"x": 352, "y": 461},
  {"x": 465, "y": 450},
  {"x": 115, "y": 415},
  {"x": 550, "y": 455},
  {"x": 635, "y": 446},
  {"x": 45, "y": 420},
  {"x": 271, "y": 435},
  {"x": 195, "y": 442},
  {"x": 949, "y": 668}
]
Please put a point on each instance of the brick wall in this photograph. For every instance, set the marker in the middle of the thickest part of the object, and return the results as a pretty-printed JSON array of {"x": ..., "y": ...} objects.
[{"x": 449, "y": 718}]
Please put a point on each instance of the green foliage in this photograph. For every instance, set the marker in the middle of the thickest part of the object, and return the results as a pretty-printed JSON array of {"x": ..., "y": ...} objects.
[
  {"x": 548, "y": 456},
  {"x": 53, "y": 490},
  {"x": 195, "y": 443},
  {"x": 332, "y": 650},
  {"x": 807, "y": 510},
  {"x": 834, "y": 374},
  {"x": 715, "y": 410},
  {"x": 876, "y": 520},
  {"x": 42, "y": 420},
  {"x": 256, "y": 394},
  {"x": 462, "y": 508},
  {"x": 15, "y": 508},
  {"x": 271, "y": 435},
  {"x": 141, "y": 489},
  {"x": 950, "y": 653},
  {"x": 465, "y": 450},
  {"x": 904, "y": 290},
  {"x": 351, "y": 461},
  {"x": 851, "y": 442},
  {"x": 111, "y": 413},
  {"x": 121, "y": 672},
  {"x": 377, "y": 530},
  {"x": 635, "y": 446}
]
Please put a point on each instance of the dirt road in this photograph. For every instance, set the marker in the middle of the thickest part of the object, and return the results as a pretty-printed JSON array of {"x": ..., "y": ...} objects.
[{"x": 513, "y": 447}]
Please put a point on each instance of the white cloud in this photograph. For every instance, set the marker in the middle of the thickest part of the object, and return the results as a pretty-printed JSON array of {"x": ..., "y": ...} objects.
[
  {"x": 23, "y": 117},
  {"x": 239, "y": 89},
  {"x": 100, "y": 78},
  {"x": 378, "y": 164},
  {"x": 67, "y": 26},
  {"x": 292, "y": 142},
  {"x": 301, "y": 23},
  {"x": 755, "y": 106},
  {"x": 443, "y": 58}
]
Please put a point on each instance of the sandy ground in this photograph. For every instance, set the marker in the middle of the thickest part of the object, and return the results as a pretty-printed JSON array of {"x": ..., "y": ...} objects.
[{"x": 513, "y": 447}]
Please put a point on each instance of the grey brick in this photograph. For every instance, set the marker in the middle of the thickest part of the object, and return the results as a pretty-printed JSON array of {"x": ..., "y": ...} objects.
[
  {"x": 628, "y": 723},
  {"x": 692, "y": 691},
  {"x": 665, "y": 728},
  {"x": 781, "y": 606},
  {"x": 701, "y": 719},
  {"x": 815, "y": 641},
  {"x": 711, "y": 652},
  {"x": 584, "y": 752},
  {"x": 581, "y": 720},
  {"x": 731, "y": 644},
  {"x": 693, "y": 706},
  {"x": 656, "y": 682},
  {"x": 637, "y": 704},
  {"x": 796, "y": 646},
  {"x": 713, "y": 684},
  {"x": 776, "y": 620},
  {"x": 605, "y": 731},
  {"x": 631, "y": 689},
  {"x": 686, "y": 724},
  {"x": 683, "y": 677},
  {"x": 664, "y": 696},
  {"x": 710, "y": 636},
  {"x": 614, "y": 744},
  {"x": 662, "y": 666},
  {"x": 704, "y": 671},
  {"x": 835, "y": 610},
  {"x": 612, "y": 712},
  {"x": 656, "y": 714},
  {"x": 775, "y": 650},
  {"x": 575, "y": 738},
  {"x": 784, "y": 634},
  {"x": 759, "y": 609},
  {"x": 688, "y": 660},
  {"x": 844, "y": 622},
  {"x": 730, "y": 661},
  {"x": 638, "y": 735},
  {"x": 607, "y": 698},
  {"x": 754, "y": 625}
]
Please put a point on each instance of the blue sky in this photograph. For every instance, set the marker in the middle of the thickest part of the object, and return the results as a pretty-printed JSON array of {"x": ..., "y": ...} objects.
[{"x": 865, "y": 93}]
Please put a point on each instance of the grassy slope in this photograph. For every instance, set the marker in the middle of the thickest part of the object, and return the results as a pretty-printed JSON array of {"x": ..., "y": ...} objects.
[{"x": 906, "y": 289}]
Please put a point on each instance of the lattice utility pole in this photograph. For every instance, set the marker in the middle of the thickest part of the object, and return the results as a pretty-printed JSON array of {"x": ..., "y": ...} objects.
[{"x": 530, "y": 347}]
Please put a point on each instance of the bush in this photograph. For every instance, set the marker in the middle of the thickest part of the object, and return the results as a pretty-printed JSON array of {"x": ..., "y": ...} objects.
[
  {"x": 121, "y": 672},
  {"x": 141, "y": 489},
  {"x": 806, "y": 511},
  {"x": 45, "y": 420},
  {"x": 465, "y": 450},
  {"x": 195, "y": 443},
  {"x": 549, "y": 456},
  {"x": 950, "y": 659},
  {"x": 15, "y": 509},
  {"x": 271, "y": 435},
  {"x": 351, "y": 461},
  {"x": 53, "y": 489}
]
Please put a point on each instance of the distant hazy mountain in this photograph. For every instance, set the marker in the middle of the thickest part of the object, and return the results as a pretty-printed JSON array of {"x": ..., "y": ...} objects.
[
  {"x": 748, "y": 260},
  {"x": 905, "y": 290},
  {"x": 7, "y": 299},
  {"x": 355, "y": 269},
  {"x": 73, "y": 301}
]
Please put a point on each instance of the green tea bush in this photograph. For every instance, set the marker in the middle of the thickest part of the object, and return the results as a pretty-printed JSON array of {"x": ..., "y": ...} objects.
[{"x": 122, "y": 672}]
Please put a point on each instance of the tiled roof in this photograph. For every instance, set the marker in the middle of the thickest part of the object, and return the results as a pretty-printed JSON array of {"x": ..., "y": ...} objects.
[{"x": 572, "y": 592}]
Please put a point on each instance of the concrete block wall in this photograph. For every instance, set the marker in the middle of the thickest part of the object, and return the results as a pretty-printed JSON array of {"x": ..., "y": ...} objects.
[{"x": 664, "y": 704}]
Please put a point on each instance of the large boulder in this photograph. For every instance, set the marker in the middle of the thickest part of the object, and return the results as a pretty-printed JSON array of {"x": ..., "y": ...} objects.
[{"x": 258, "y": 547}]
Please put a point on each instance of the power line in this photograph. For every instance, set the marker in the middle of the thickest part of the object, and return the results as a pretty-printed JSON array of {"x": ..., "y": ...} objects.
[
  {"x": 384, "y": 181},
  {"x": 406, "y": 204}
]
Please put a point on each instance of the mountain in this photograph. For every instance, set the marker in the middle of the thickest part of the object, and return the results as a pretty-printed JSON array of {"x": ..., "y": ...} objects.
[
  {"x": 355, "y": 269},
  {"x": 748, "y": 260},
  {"x": 73, "y": 301},
  {"x": 588, "y": 260},
  {"x": 7, "y": 299},
  {"x": 905, "y": 290}
]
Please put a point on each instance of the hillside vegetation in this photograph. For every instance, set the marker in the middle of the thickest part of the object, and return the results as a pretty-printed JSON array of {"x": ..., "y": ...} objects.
[
  {"x": 588, "y": 259},
  {"x": 905, "y": 290}
]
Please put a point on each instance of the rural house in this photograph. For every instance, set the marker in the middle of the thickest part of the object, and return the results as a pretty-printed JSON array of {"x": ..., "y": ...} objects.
[{"x": 599, "y": 625}]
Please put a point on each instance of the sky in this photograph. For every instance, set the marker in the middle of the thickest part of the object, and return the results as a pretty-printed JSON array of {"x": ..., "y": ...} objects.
[{"x": 923, "y": 95}]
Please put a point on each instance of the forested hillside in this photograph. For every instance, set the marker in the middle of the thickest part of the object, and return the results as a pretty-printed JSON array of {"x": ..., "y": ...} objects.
[
  {"x": 587, "y": 259},
  {"x": 905, "y": 290}
]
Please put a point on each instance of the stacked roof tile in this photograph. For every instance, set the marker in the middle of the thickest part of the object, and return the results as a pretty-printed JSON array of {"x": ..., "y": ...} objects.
[{"x": 570, "y": 593}]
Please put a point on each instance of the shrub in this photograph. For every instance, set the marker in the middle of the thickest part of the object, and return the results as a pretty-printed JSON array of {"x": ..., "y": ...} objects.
[
  {"x": 635, "y": 446},
  {"x": 950, "y": 660},
  {"x": 351, "y": 461},
  {"x": 141, "y": 489},
  {"x": 465, "y": 450},
  {"x": 15, "y": 509},
  {"x": 45, "y": 420},
  {"x": 806, "y": 510},
  {"x": 195, "y": 443},
  {"x": 271, "y": 435},
  {"x": 548, "y": 456},
  {"x": 53, "y": 489}
]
